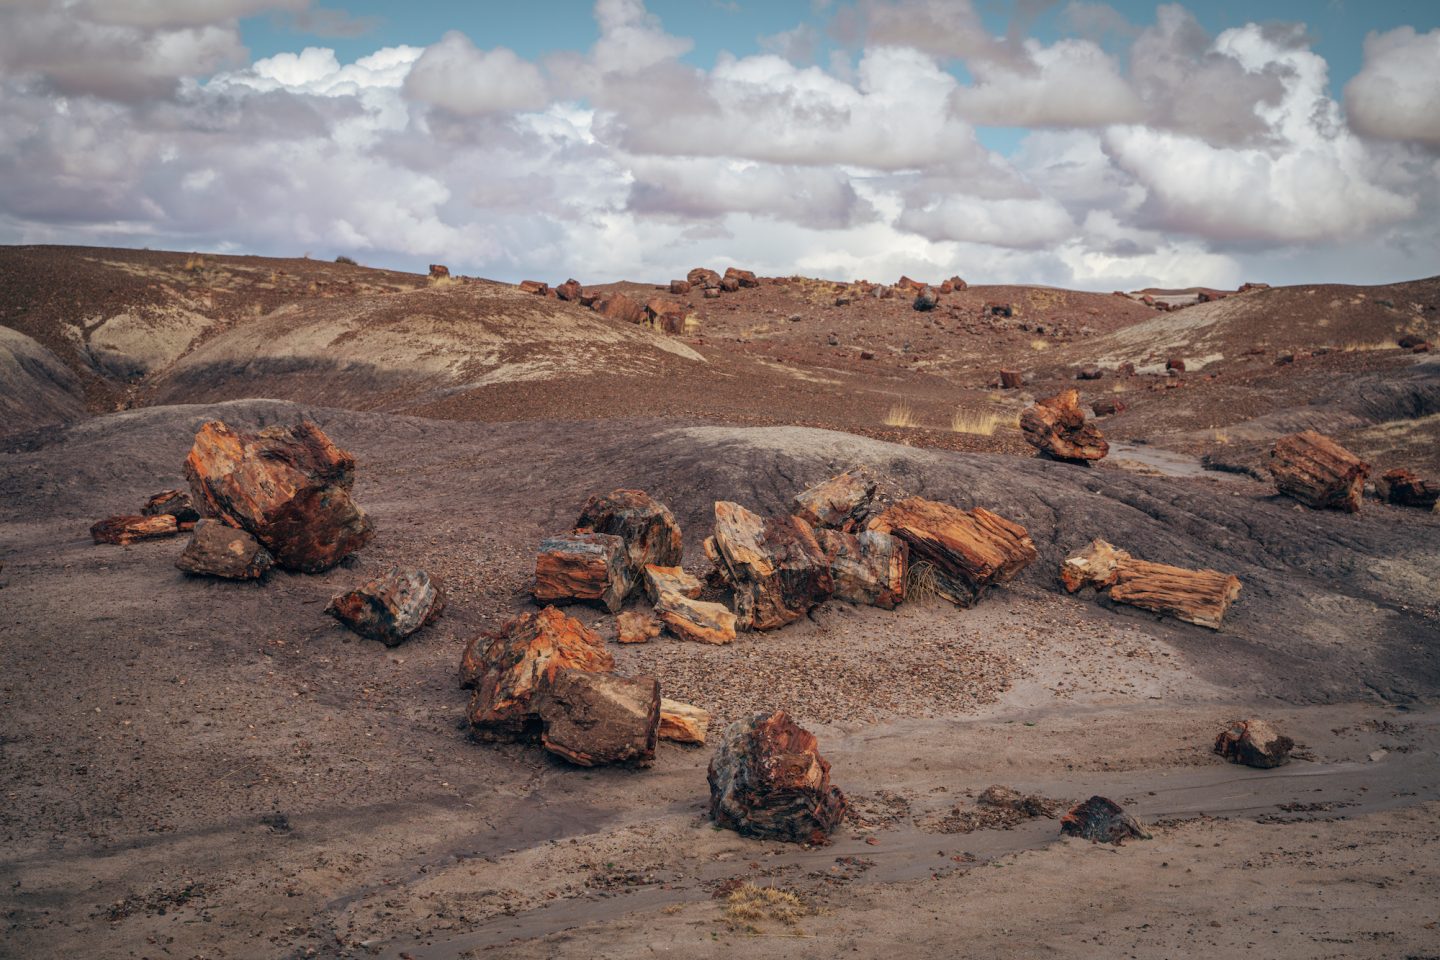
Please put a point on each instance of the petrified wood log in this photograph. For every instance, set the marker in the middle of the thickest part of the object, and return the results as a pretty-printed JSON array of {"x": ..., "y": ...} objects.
[
  {"x": 130, "y": 528},
  {"x": 969, "y": 551},
  {"x": 744, "y": 278},
  {"x": 632, "y": 626},
  {"x": 1107, "y": 406},
  {"x": 511, "y": 668},
  {"x": 867, "y": 568},
  {"x": 697, "y": 620},
  {"x": 683, "y": 722},
  {"x": 1011, "y": 379},
  {"x": 1101, "y": 820},
  {"x": 289, "y": 487},
  {"x": 1254, "y": 743},
  {"x": 703, "y": 277},
  {"x": 647, "y": 526},
  {"x": 660, "y": 580},
  {"x": 177, "y": 504},
  {"x": 1318, "y": 472},
  {"x": 583, "y": 566},
  {"x": 390, "y": 607},
  {"x": 1056, "y": 426},
  {"x": 767, "y": 779},
  {"x": 838, "y": 502},
  {"x": 776, "y": 566},
  {"x": 219, "y": 550},
  {"x": 1405, "y": 489},
  {"x": 593, "y": 719},
  {"x": 1200, "y": 597},
  {"x": 569, "y": 291}
]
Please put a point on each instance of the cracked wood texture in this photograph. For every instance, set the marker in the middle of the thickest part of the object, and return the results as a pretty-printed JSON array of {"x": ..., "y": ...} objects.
[
  {"x": 1200, "y": 597},
  {"x": 1057, "y": 426},
  {"x": 583, "y": 566},
  {"x": 776, "y": 566},
  {"x": 1318, "y": 472},
  {"x": 969, "y": 550}
]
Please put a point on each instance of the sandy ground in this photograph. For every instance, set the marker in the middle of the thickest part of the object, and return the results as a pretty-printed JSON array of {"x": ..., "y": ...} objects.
[{"x": 197, "y": 769}]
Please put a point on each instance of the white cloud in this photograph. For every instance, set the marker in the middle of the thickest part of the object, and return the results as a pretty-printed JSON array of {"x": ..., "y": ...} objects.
[
  {"x": 1072, "y": 83},
  {"x": 1396, "y": 95},
  {"x": 456, "y": 76}
]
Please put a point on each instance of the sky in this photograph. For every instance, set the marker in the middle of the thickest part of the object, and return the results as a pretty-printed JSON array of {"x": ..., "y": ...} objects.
[{"x": 1077, "y": 143}]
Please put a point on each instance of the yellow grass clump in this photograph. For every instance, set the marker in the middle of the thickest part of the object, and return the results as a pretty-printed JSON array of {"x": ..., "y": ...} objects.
[
  {"x": 1039, "y": 344},
  {"x": 748, "y": 906},
  {"x": 901, "y": 415},
  {"x": 980, "y": 422}
]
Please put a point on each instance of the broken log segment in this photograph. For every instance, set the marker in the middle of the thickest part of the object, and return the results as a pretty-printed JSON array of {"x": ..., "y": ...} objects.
[
  {"x": 129, "y": 529},
  {"x": 697, "y": 620},
  {"x": 775, "y": 566},
  {"x": 1318, "y": 472},
  {"x": 1056, "y": 426},
  {"x": 593, "y": 719},
  {"x": 632, "y": 626},
  {"x": 659, "y": 580},
  {"x": 768, "y": 779},
  {"x": 683, "y": 722},
  {"x": 1102, "y": 820},
  {"x": 868, "y": 568},
  {"x": 1011, "y": 379},
  {"x": 1200, "y": 597},
  {"x": 583, "y": 566},
  {"x": 219, "y": 550},
  {"x": 177, "y": 504},
  {"x": 390, "y": 607},
  {"x": 837, "y": 502},
  {"x": 969, "y": 551},
  {"x": 647, "y": 526},
  {"x": 1254, "y": 743},
  {"x": 1405, "y": 489}
]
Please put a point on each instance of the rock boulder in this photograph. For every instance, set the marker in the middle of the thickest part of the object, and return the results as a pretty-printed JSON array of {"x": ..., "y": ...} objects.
[
  {"x": 768, "y": 779},
  {"x": 390, "y": 607}
]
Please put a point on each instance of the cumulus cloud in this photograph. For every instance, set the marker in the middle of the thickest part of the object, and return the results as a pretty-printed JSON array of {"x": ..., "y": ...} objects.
[
  {"x": 1396, "y": 95},
  {"x": 1072, "y": 83},
  {"x": 456, "y": 76}
]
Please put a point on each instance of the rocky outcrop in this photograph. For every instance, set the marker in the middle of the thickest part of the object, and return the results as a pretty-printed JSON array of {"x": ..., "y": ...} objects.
[
  {"x": 1101, "y": 820},
  {"x": 968, "y": 551},
  {"x": 594, "y": 719},
  {"x": 1254, "y": 743},
  {"x": 775, "y": 567},
  {"x": 583, "y": 566},
  {"x": 1318, "y": 472},
  {"x": 510, "y": 670},
  {"x": 697, "y": 620},
  {"x": 768, "y": 779},
  {"x": 841, "y": 502},
  {"x": 219, "y": 550},
  {"x": 683, "y": 722},
  {"x": 649, "y": 529},
  {"x": 1056, "y": 426},
  {"x": 289, "y": 487},
  {"x": 390, "y": 607},
  {"x": 569, "y": 291},
  {"x": 620, "y": 307},
  {"x": 1405, "y": 489},
  {"x": 130, "y": 528},
  {"x": 867, "y": 568},
  {"x": 632, "y": 626},
  {"x": 177, "y": 504},
  {"x": 1200, "y": 597}
]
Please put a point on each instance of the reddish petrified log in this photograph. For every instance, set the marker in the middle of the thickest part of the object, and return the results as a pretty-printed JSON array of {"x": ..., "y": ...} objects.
[
  {"x": 743, "y": 277},
  {"x": 130, "y": 528},
  {"x": 511, "y": 668},
  {"x": 698, "y": 620},
  {"x": 1200, "y": 597},
  {"x": 390, "y": 607},
  {"x": 868, "y": 568},
  {"x": 840, "y": 502},
  {"x": 701, "y": 277},
  {"x": 177, "y": 504},
  {"x": 289, "y": 487},
  {"x": 1405, "y": 489},
  {"x": 1101, "y": 820},
  {"x": 729, "y": 284},
  {"x": 649, "y": 529},
  {"x": 583, "y": 566},
  {"x": 438, "y": 271},
  {"x": 767, "y": 779},
  {"x": 1254, "y": 743},
  {"x": 776, "y": 567},
  {"x": 683, "y": 722},
  {"x": 620, "y": 307},
  {"x": 535, "y": 287},
  {"x": 660, "y": 580},
  {"x": 1012, "y": 379},
  {"x": 593, "y": 719},
  {"x": 667, "y": 316},
  {"x": 569, "y": 291},
  {"x": 1056, "y": 426},
  {"x": 679, "y": 287},
  {"x": 632, "y": 626},
  {"x": 1318, "y": 472},
  {"x": 1107, "y": 406},
  {"x": 219, "y": 550},
  {"x": 967, "y": 550}
]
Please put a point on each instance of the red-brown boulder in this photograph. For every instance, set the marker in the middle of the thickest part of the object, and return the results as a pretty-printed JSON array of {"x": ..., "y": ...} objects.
[
  {"x": 1056, "y": 426},
  {"x": 1405, "y": 489},
  {"x": 535, "y": 287},
  {"x": 768, "y": 779},
  {"x": 743, "y": 278},
  {"x": 174, "y": 502},
  {"x": 775, "y": 567},
  {"x": 650, "y": 531},
  {"x": 219, "y": 550},
  {"x": 1102, "y": 820},
  {"x": 128, "y": 529},
  {"x": 390, "y": 607},
  {"x": 1254, "y": 743},
  {"x": 569, "y": 291},
  {"x": 594, "y": 719},
  {"x": 701, "y": 277},
  {"x": 968, "y": 551},
  {"x": 584, "y": 566},
  {"x": 438, "y": 271},
  {"x": 620, "y": 307}
]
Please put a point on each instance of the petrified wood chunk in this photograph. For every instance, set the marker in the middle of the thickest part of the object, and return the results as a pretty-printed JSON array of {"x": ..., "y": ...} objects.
[
  {"x": 767, "y": 779},
  {"x": 177, "y": 504},
  {"x": 1107, "y": 406},
  {"x": 1012, "y": 379},
  {"x": 390, "y": 607},
  {"x": 867, "y": 568},
  {"x": 1254, "y": 743},
  {"x": 1056, "y": 426},
  {"x": 1200, "y": 597},
  {"x": 776, "y": 567},
  {"x": 744, "y": 278},
  {"x": 130, "y": 528},
  {"x": 535, "y": 287},
  {"x": 509, "y": 669},
  {"x": 1101, "y": 820},
  {"x": 569, "y": 291},
  {"x": 583, "y": 566},
  {"x": 620, "y": 307},
  {"x": 659, "y": 580},
  {"x": 592, "y": 719},
  {"x": 697, "y": 620},
  {"x": 1405, "y": 489},
  {"x": 1318, "y": 472},
  {"x": 702, "y": 277},
  {"x": 683, "y": 722},
  {"x": 219, "y": 550},
  {"x": 632, "y": 626},
  {"x": 647, "y": 526},
  {"x": 289, "y": 487},
  {"x": 968, "y": 550},
  {"x": 839, "y": 501}
]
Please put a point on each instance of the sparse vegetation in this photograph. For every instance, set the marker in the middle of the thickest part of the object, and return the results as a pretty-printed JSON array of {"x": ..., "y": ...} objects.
[
  {"x": 901, "y": 415},
  {"x": 1356, "y": 346},
  {"x": 979, "y": 422},
  {"x": 749, "y": 906},
  {"x": 1039, "y": 344},
  {"x": 1220, "y": 435},
  {"x": 348, "y": 261},
  {"x": 920, "y": 586},
  {"x": 194, "y": 263}
]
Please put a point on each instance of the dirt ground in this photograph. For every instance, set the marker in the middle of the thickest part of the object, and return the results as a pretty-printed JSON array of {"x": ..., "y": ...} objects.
[{"x": 198, "y": 769}]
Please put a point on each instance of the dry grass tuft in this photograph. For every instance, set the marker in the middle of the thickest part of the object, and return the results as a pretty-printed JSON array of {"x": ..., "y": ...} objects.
[
  {"x": 901, "y": 415},
  {"x": 920, "y": 586},
  {"x": 692, "y": 325},
  {"x": 442, "y": 281},
  {"x": 1220, "y": 435},
  {"x": 749, "y": 906},
  {"x": 1039, "y": 344},
  {"x": 1358, "y": 347},
  {"x": 194, "y": 263},
  {"x": 978, "y": 422}
]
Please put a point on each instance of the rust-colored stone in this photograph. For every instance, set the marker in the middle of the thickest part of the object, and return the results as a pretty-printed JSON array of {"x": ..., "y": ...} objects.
[
  {"x": 1318, "y": 472},
  {"x": 569, "y": 291},
  {"x": 219, "y": 550},
  {"x": 768, "y": 779},
  {"x": 177, "y": 503},
  {"x": 1012, "y": 379},
  {"x": 839, "y": 502},
  {"x": 390, "y": 607},
  {"x": 596, "y": 719},
  {"x": 1200, "y": 597},
  {"x": 632, "y": 626},
  {"x": 583, "y": 566},
  {"x": 1056, "y": 426},
  {"x": 683, "y": 722},
  {"x": 289, "y": 487},
  {"x": 1101, "y": 820},
  {"x": 867, "y": 568},
  {"x": 1405, "y": 489},
  {"x": 130, "y": 528},
  {"x": 701, "y": 277},
  {"x": 620, "y": 307},
  {"x": 1254, "y": 743},
  {"x": 776, "y": 566},
  {"x": 660, "y": 580},
  {"x": 968, "y": 551},
  {"x": 697, "y": 620},
  {"x": 649, "y": 529},
  {"x": 535, "y": 287},
  {"x": 742, "y": 277}
]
